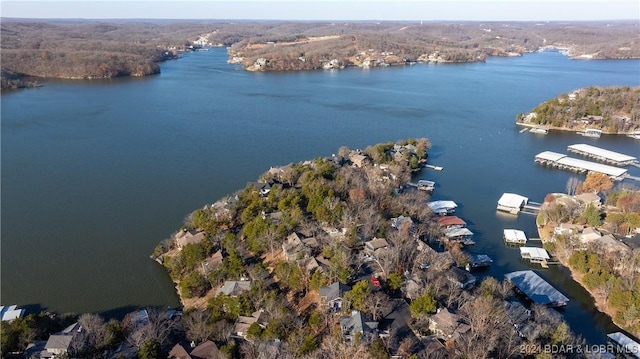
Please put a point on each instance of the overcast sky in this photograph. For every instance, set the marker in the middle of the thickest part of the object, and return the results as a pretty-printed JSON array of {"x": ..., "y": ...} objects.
[{"x": 427, "y": 10}]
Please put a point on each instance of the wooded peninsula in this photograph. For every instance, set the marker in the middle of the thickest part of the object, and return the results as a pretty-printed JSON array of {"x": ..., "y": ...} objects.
[
  {"x": 91, "y": 49},
  {"x": 614, "y": 110}
]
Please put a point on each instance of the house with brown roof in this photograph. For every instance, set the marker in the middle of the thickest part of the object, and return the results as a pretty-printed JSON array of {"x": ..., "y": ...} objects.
[
  {"x": 205, "y": 350},
  {"x": 375, "y": 246},
  {"x": 446, "y": 324},
  {"x": 212, "y": 262},
  {"x": 243, "y": 323},
  {"x": 360, "y": 160},
  {"x": 188, "y": 236},
  {"x": 298, "y": 247}
]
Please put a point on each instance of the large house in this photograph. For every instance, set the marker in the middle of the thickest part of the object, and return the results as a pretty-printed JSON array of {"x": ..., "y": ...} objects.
[
  {"x": 188, "y": 236},
  {"x": 375, "y": 246},
  {"x": 60, "y": 344}
]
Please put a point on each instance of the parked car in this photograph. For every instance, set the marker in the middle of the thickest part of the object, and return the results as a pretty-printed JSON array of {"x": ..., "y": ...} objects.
[{"x": 375, "y": 282}]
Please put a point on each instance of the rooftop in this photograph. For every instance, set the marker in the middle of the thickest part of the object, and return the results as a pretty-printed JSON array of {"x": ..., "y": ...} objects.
[
  {"x": 563, "y": 160},
  {"x": 536, "y": 288},
  {"x": 601, "y": 152}
]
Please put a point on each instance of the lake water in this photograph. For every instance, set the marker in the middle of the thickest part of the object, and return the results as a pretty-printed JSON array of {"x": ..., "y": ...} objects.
[{"x": 96, "y": 173}]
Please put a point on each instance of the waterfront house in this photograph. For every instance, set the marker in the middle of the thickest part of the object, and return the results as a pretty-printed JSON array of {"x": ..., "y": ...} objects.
[
  {"x": 205, "y": 350},
  {"x": 10, "y": 313},
  {"x": 567, "y": 229},
  {"x": 589, "y": 235},
  {"x": 360, "y": 160},
  {"x": 188, "y": 236},
  {"x": 332, "y": 295},
  {"x": 234, "y": 288},
  {"x": 356, "y": 326},
  {"x": 589, "y": 198},
  {"x": 59, "y": 344},
  {"x": 446, "y": 325}
]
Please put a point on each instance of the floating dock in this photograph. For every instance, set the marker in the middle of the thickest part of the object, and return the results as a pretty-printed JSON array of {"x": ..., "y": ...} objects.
[
  {"x": 559, "y": 160},
  {"x": 536, "y": 288},
  {"x": 602, "y": 155}
]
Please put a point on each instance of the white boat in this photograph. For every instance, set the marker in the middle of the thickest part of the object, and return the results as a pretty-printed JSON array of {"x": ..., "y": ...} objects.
[
  {"x": 539, "y": 130},
  {"x": 635, "y": 135},
  {"x": 437, "y": 168},
  {"x": 591, "y": 132}
]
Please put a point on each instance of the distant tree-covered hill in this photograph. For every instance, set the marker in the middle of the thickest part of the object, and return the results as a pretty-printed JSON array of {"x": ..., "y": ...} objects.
[{"x": 86, "y": 49}]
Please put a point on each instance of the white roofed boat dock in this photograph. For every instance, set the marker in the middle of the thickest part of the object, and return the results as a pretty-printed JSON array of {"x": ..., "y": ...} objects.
[
  {"x": 559, "y": 160},
  {"x": 603, "y": 155}
]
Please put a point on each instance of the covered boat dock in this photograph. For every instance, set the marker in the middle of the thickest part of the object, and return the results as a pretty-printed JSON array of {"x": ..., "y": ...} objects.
[
  {"x": 512, "y": 203},
  {"x": 536, "y": 288},
  {"x": 535, "y": 255},
  {"x": 602, "y": 155},
  {"x": 561, "y": 161},
  {"x": 514, "y": 236}
]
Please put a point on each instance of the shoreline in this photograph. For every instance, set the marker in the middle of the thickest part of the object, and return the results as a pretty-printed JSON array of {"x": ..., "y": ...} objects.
[
  {"x": 578, "y": 278},
  {"x": 565, "y": 129}
]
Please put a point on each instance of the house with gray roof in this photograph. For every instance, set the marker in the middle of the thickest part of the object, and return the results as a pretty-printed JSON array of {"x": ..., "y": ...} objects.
[
  {"x": 356, "y": 326},
  {"x": 60, "y": 344},
  {"x": 234, "y": 288},
  {"x": 10, "y": 313},
  {"x": 332, "y": 295}
]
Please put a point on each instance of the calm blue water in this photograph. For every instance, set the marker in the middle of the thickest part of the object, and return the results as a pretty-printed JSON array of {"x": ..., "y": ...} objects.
[{"x": 95, "y": 174}]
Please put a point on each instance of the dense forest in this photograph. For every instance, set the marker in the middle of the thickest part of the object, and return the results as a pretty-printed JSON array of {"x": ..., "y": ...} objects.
[
  {"x": 611, "y": 109},
  {"x": 98, "y": 49}
]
